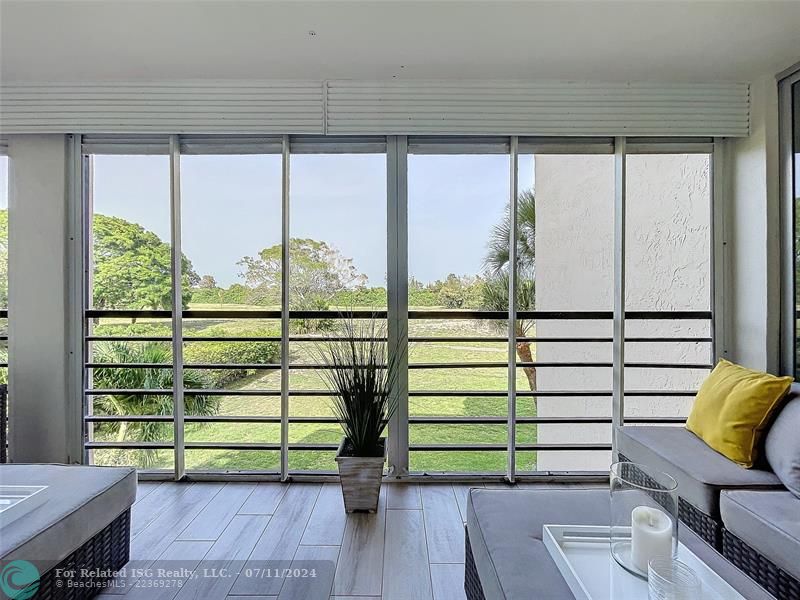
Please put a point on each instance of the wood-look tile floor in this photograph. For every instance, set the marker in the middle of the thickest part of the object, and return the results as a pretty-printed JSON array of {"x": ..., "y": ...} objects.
[{"x": 412, "y": 548}]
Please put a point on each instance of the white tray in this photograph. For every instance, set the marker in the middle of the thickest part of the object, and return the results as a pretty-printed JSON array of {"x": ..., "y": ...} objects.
[
  {"x": 18, "y": 500},
  {"x": 583, "y": 556}
]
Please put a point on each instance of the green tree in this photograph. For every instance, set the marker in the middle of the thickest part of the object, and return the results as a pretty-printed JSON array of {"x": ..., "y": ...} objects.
[
  {"x": 496, "y": 267},
  {"x": 317, "y": 273},
  {"x": 460, "y": 292},
  {"x": 144, "y": 378},
  {"x": 132, "y": 267}
]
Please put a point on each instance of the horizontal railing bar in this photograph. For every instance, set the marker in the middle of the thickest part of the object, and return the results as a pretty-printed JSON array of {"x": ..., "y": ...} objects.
[
  {"x": 412, "y": 314},
  {"x": 450, "y": 339},
  {"x": 207, "y": 446},
  {"x": 487, "y": 365},
  {"x": 236, "y": 366},
  {"x": 332, "y": 447},
  {"x": 132, "y": 365},
  {"x": 420, "y": 420},
  {"x": 503, "y": 447},
  {"x": 442, "y": 365},
  {"x": 216, "y": 338},
  {"x": 640, "y": 420},
  {"x": 128, "y": 338},
  {"x": 412, "y": 393},
  {"x": 412, "y": 339},
  {"x": 257, "y": 446},
  {"x": 130, "y": 445},
  {"x": 94, "y": 313},
  {"x": 128, "y": 418}
]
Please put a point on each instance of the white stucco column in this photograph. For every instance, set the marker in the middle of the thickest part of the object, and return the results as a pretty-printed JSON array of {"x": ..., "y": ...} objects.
[
  {"x": 753, "y": 242},
  {"x": 39, "y": 413}
]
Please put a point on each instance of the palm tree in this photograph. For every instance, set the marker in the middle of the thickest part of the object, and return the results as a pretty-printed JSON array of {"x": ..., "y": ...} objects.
[
  {"x": 144, "y": 378},
  {"x": 496, "y": 268}
]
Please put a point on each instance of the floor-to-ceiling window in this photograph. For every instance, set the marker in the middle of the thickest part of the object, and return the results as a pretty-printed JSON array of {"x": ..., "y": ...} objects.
[
  {"x": 337, "y": 278},
  {"x": 128, "y": 351},
  {"x": 458, "y": 198},
  {"x": 244, "y": 322},
  {"x": 231, "y": 237}
]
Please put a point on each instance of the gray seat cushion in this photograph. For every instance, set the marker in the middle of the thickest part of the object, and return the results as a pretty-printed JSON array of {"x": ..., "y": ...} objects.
[
  {"x": 505, "y": 532},
  {"x": 782, "y": 446},
  {"x": 78, "y": 503},
  {"x": 700, "y": 471},
  {"x": 768, "y": 522}
]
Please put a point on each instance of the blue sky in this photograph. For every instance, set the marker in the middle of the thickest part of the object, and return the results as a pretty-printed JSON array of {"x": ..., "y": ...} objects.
[{"x": 231, "y": 206}]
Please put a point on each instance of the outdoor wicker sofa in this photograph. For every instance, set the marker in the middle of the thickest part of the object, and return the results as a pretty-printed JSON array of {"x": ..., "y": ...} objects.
[
  {"x": 747, "y": 514},
  {"x": 3, "y": 423},
  {"x": 82, "y": 526}
]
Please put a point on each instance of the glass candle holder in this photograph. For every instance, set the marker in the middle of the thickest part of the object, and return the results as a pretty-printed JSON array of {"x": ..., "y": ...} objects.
[
  {"x": 644, "y": 516},
  {"x": 669, "y": 579}
]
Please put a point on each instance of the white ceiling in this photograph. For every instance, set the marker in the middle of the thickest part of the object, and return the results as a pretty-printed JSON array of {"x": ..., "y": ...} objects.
[{"x": 668, "y": 40}]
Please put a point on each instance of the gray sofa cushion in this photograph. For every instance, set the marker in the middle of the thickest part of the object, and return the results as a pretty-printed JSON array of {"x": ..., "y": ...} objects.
[
  {"x": 768, "y": 522},
  {"x": 700, "y": 471},
  {"x": 79, "y": 502},
  {"x": 505, "y": 532},
  {"x": 782, "y": 446}
]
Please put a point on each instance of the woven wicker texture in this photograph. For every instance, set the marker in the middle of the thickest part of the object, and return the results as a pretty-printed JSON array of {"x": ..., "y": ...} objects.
[
  {"x": 699, "y": 522},
  {"x": 108, "y": 550},
  {"x": 759, "y": 568},
  {"x": 472, "y": 583}
]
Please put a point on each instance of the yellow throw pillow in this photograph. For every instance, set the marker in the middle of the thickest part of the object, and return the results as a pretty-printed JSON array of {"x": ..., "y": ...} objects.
[{"x": 732, "y": 409}]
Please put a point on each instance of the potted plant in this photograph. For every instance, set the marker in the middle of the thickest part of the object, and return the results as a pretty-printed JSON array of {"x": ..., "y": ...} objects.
[{"x": 361, "y": 373}]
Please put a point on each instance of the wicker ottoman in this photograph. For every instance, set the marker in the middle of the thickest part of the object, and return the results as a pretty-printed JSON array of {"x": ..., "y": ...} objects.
[
  {"x": 507, "y": 560},
  {"x": 81, "y": 527}
]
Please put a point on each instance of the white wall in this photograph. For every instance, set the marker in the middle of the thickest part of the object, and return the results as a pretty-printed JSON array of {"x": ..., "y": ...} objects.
[
  {"x": 667, "y": 268},
  {"x": 38, "y": 413},
  {"x": 753, "y": 236}
]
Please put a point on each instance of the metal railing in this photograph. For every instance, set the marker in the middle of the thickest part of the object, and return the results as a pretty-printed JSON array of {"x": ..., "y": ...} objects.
[{"x": 91, "y": 420}]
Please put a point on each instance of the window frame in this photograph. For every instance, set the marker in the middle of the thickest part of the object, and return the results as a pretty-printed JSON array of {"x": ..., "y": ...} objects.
[
  {"x": 788, "y": 314},
  {"x": 396, "y": 149}
]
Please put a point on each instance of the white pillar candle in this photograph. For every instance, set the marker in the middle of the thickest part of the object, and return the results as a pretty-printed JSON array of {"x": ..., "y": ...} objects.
[{"x": 651, "y": 535}]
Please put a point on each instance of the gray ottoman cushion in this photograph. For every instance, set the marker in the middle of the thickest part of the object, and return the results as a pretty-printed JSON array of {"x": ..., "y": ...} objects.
[
  {"x": 782, "y": 446},
  {"x": 768, "y": 522},
  {"x": 79, "y": 502},
  {"x": 505, "y": 532},
  {"x": 700, "y": 471}
]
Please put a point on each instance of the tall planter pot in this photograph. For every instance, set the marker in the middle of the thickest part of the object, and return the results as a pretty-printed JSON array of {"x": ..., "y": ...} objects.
[{"x": 361, "y": 479}]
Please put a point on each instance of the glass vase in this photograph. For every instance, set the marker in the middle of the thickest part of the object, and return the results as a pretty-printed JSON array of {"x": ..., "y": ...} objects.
[{"x": 644, "y": 516}]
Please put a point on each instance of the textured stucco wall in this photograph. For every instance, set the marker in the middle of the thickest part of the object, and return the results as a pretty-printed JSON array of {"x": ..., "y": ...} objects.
[{"x": 668, "y": 268}]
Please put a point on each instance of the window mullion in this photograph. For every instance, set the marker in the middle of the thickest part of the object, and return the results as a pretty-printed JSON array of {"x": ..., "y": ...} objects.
[
  {"x": 285, "y": 240},
  {"x": 177, "y": 306},
  {"x": 512, "y": 312},
  {"x": 397, "y": 296},
  {"x": 618, "y": 356}
]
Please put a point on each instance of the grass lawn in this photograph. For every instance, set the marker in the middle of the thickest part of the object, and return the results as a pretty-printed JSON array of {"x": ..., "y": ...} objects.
[{"x": 484, "y": 379}]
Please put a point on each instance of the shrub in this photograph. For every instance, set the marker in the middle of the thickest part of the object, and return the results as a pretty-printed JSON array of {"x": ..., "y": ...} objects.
[{"x": 231, "y": 353}]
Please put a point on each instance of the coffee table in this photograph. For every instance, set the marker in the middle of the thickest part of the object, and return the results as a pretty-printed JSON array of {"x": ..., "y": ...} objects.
[
  {"x": 583, "y": 557},
  {"x": 506, "y": 557}
]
